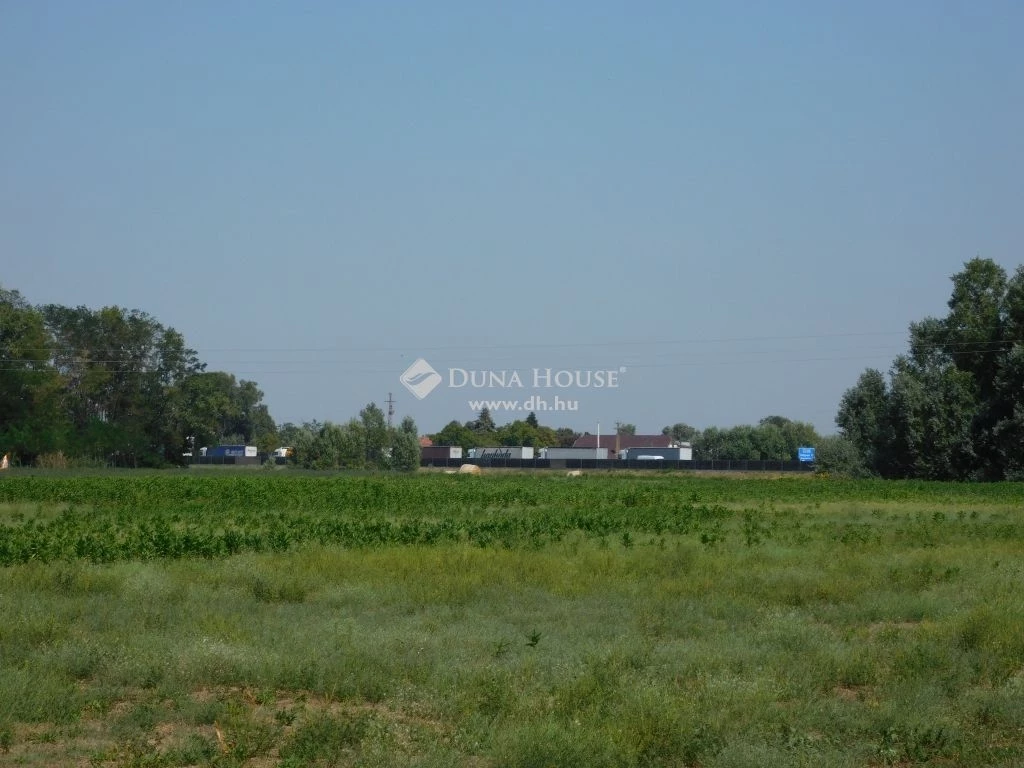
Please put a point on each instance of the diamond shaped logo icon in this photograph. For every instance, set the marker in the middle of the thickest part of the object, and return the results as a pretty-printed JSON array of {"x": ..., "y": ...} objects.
[{"x": 420, "y": 378}]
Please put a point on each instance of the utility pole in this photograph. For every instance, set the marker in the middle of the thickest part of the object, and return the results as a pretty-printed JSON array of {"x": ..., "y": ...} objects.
[{"x": 391, "y": 408}]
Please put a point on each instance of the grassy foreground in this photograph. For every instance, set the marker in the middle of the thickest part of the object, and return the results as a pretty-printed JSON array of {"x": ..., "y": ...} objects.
[{"x": 520, "y": 620}]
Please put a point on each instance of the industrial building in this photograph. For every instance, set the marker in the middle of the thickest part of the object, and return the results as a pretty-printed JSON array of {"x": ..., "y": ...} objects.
[{"x": 637, "y": 447}]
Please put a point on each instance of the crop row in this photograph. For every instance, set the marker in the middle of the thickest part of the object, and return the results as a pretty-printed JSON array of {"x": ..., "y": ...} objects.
[
  {"x": 106, "y": 537},
  {"x": 108, "y": 534},
  {"x": 423, "y": 494}
]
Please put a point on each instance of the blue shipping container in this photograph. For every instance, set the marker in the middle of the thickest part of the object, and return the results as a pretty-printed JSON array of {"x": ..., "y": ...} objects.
[{"x": 227, "y": 450}]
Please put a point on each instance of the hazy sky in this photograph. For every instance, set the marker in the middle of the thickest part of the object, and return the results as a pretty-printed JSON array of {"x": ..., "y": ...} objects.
[{"x": 743, "y": 204}]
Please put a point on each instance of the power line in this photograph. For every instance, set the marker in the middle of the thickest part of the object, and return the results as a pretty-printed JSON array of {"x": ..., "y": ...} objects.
[
  {"x": 964, "y": 347},
  {"x": 679, "y": 364},
  {"x": 517, "y": 345}
]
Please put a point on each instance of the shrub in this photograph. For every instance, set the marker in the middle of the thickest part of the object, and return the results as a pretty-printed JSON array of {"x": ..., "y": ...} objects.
[{"x": 838, "y": 455}]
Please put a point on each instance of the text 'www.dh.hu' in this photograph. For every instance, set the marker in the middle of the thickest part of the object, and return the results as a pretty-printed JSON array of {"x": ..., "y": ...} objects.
[{"x": 533, "y": 403}]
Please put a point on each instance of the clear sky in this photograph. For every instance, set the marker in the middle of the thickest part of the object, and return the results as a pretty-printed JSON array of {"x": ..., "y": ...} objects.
[{"x": 743, "y": 204}]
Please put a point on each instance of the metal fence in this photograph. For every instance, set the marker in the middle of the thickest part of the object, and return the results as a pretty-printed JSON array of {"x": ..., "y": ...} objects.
[
  {"x": 237, "y": 461},
  {"x": 746, "y": 465}
]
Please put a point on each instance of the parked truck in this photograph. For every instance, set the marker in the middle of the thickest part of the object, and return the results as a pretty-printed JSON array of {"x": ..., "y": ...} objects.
[
  {"x": 440, "y": 452},
  {"x": 682, "y": 453},
  {"x": 502, "y": 452},
  {"x": 236, "y": 451},
  {"x": 558, "y": 454}
]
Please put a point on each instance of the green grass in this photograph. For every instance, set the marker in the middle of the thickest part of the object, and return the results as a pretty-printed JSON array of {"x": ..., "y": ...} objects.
[{"x": 521, "y": 620}]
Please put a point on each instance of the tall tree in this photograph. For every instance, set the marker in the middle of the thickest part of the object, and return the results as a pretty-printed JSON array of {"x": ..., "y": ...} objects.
[
  {"x": 405, "y": 446},
  {"x": 951, "y": 407},
  {"x": 30, "y": 420},
  {"x": 1004, "y": 410},
  {"x": 118, "y": 369},
  {"x": 710, "y": 444},
  {"x": 682, "y": 432},
  {"x": 208, "y": 409},
  {"x": 975, "y": 324},
  {"x": 253, "y": 423},
  {"x": 516, "y": 433},
  {"x": 455, "y": 434},
  {"x": 484, "y": 423},
  {"x": 566, "y": 437},
  {"x": 375, "y": 435},
  {"x": 791, "y": 436},
  {"x": 863, "y": 419},
  {"x": 930, "y": 413}
]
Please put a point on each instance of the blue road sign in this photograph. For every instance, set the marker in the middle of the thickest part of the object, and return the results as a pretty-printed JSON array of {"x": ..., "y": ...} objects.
[{"x": 805, "y": 453}]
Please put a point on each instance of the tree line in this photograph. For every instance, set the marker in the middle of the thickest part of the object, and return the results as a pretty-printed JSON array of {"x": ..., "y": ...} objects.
[
  {"x": 774, "y": 438},
  {"x": 115, "y": 387},
  {"x": 482, "y": 432},
  {"x": 366, "y": 443},
  {"x": 952, "y": 407}
]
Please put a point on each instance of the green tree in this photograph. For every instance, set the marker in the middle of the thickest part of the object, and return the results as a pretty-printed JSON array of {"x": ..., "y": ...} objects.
[
  {"x": 455, "y": 434},
  {"x": 951, "y": 407},
  {"x": 975, "y": 325},
  {"x": 863, "y": 419},
  {"x": 681, "y": 432},
  {"x": 208, "y": 408},
  {"x": 405, "y": 446},
  {"x": 930, "y": 412},
  {"x": 363, "y": 443},
  {"x": 338, "y": 446},
  {"x": 375, "y": 435},
  {"x": 30, "y": 419},
  {"x": 254, "y": 422},
  {"x": 741, "y": 443},
  {"x": 546, "y": 437},
  {"x": 350, "y": 442},
  {"x": 786, "y": 436},
  {"x": 1007, "y": 436},
  {"x": 119, "y": 369},
  {"x": 518, "y": 433},
  {"x": 114, "y": 384},
  {"x": 1003, "y": 414},
  {"x": 328, "y": 445},
  {"x": 769, "y": 443},
  {"x": 566, "y": 437},
  {"x": 215, "y": 408},
  {"x": 838, "y": 455},
  {"x": 484, "y": 424},
  {"x": 710, "y": 445}
]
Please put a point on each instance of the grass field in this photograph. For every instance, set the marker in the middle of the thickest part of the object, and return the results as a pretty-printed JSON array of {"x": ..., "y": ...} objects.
[{"x": 278, "y": 619}]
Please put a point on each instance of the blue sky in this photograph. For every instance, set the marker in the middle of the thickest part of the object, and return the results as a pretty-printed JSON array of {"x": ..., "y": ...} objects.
[{"x": 744, "y": 205}]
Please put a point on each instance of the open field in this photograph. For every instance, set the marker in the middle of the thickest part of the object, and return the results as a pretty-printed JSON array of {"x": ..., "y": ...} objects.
[{"x": 510, "y": 620}]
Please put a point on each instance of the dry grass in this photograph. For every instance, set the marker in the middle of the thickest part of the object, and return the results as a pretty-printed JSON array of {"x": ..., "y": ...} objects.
[{"x": 100, "y": 740}]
